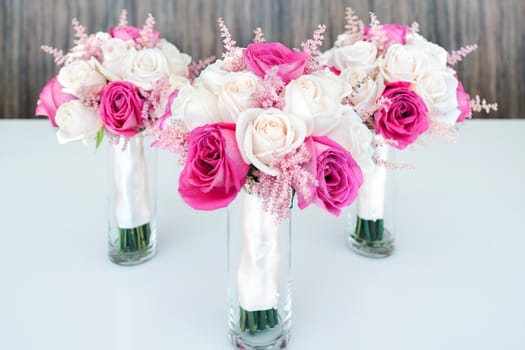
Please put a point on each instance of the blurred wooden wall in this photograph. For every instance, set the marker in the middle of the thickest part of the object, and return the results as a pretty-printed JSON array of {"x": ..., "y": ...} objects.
[{"x": 496, "y": 71}]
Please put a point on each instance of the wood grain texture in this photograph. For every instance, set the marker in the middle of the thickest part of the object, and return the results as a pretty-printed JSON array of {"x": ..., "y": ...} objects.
[{"x": 495, "y": 71}]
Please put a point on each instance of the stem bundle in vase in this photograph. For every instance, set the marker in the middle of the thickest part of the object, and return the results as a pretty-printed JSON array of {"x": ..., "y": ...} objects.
[
  {"x": 134, "y": 239},
  {"x": 253, "y": 321},
  {"x": 369, "y": 230}
]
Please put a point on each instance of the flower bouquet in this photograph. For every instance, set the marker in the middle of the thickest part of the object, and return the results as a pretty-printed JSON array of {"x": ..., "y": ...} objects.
[
  {"x": 265, "y": 124},
  {"x": 404, "y": 87},
  {"x": 117, "y": 85}
]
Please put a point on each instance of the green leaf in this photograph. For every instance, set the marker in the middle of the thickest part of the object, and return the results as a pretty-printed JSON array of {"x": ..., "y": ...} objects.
[{"x": 100, "y": 136}]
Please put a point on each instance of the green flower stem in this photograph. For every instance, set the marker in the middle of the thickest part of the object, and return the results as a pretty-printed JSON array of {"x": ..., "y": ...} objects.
[
  {"x": 244, "y": 321},
  {"x": 373, "y": 225},
  {"x": 380, "y": 229},
  {"x": 366, "y": 225},
  {"x": 254, "y": 321},
  {"x": 133, "y": 240},
  {"x": 358, "y": 228},
  {"x": 369, "y": 230},
  {"x": 261, "y": 322}
]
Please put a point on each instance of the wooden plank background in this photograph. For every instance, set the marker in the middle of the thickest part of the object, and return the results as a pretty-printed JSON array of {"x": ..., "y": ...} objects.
[{"x": 496, "y": 71}]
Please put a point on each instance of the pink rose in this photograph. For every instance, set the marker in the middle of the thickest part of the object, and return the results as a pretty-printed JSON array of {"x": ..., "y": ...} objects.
[
  {"x": 121, "y": 108},
  {"x": 214, "y": 171},
  {"x": 125, "y": 32},
  {"x": 338, "y": 174},
  {"x": 405, "y": 118},
  {"x": 395, "y": 33},
  {"x": 50, "y": 99},
  {"x": 261, "y": 57},
  {"x": 463, "y": 103},
  {"x": 132, "y": 33}
]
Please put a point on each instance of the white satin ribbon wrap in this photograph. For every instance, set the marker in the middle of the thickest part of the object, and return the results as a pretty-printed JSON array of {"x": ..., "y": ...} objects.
[
  {"x": 371, "y": 200},
  {"x": 131, "y": 183},
  {"x": 259, "y": 263}
]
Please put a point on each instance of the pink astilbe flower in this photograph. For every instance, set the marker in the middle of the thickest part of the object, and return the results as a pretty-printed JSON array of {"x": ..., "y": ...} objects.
[
  {"x": 195, "y": 68},
  {"x": 172, "y": 137},
  {"x": 80, "y": 32},
  {"x": 236, "y": 64},
  {"x": 123, "y": 21},
  {"x": 276, "y": 190},
  {"x": 458, "y": 55},
  {"x": 383, "y": 102},
  {"x": 153, "y": 98},
  {"x": 377, "y": 34},
  {"x": 414, "y": 28},
  {"x": 478, "y": 105},
  {"x": 58, "y": 55},
  {"x": 235, "y": 61},
  {"x": 271, "y": 92},
  {"x": 229, "y": 43},
  {"x": 148, "y": 37},
  {"x": 259, "y": 36},
  {"x": 89, "y": 96},
  {"x": 354, "y": 27},
  {"x": 311, "y": 47},
  {"x": 86, "y": 46}
]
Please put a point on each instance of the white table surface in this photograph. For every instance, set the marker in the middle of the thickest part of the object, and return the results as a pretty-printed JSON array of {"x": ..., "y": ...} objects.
[{"x": 456, "y": 281}]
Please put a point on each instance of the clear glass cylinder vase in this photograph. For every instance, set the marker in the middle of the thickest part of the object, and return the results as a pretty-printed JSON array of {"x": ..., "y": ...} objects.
[
  {"x": 132, "y": 224},
  {"x": 259, "y": 262},
  {"x": 372, "y": 220}
]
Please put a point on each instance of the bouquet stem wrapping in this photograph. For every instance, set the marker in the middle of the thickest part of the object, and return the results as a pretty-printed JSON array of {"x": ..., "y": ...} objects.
[
  {"x": 257, "y": 274},
  {"x": 371, "y": 200},
  {"x": 370, "y": 236},
  {"x": 132, "y": 198}
]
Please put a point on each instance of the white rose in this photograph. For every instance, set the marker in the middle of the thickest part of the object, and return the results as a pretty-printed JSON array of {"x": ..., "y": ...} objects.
[
  {"x": 438, "y": 90},
  {"x": 177, "y": 63},
  {"x": 79, "y": 76},
  {"x": 77, "y": 122},
  {"x": 114, "y": 53},
  {"x": 435, "y": 54},
  {"x": 144, "y": 67},
  {"x": 196, "y": 105},
  {"x": 263, "y": 135},
  {"x": 235, "y": 94},
  {"x": 364, "y": 99},
  {"x": 351, "y": 133},
  {"x": 403, "y": 63},
  {"x": 314, "y": 97},
  {"x": 359, "y": 54},
  {"x": 212, "y": 78}
]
